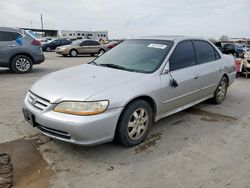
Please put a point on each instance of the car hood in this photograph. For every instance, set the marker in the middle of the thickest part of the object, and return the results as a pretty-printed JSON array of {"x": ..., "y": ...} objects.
[{"x": 80, "y": 82}]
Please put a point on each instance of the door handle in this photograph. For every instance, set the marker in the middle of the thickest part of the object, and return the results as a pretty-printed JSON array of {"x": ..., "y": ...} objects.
[
  {"x": 11, "y": 45},
  {"x": 196, "y": 77}
]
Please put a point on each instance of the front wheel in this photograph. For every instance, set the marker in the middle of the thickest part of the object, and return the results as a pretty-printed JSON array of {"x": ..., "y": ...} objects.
[
  {"x": 134, "y": 123},
  {"x": 21, "y": 64},
  {"x": 101, "y": 51},
  {"x": 73, "y": 53},
  {"x": 221, "y": 91}
]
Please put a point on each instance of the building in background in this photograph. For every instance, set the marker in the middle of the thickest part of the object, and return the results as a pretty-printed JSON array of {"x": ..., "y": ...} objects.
[
  {"x": 70, "y": 34},
  {"x": 96, "y": 35}
]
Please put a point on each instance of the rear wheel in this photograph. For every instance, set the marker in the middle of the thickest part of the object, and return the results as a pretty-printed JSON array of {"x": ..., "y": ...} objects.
[
  {"x": 221, "y": 91},
  {"x": 48, "y": 49},
  {"x": 21, "y": 64},
  {"x": 134, "y": 123},
  {"x": 73, "y": 53}
]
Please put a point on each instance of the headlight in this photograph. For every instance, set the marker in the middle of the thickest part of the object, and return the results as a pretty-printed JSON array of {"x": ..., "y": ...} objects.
[{"x": 82, "y": 108}]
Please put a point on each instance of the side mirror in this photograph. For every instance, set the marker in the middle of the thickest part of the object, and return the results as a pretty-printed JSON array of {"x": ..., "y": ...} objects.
[{"x": 173, "y": 83}]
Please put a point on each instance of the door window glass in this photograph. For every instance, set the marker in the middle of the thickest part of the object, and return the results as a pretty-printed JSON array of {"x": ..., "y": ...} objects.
[{"x": 183, "y": 56}]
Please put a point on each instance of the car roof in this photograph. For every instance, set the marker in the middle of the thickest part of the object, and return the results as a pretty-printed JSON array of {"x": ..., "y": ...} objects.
[
  {"x": 172, "y": 37},
  {"x": 10, "y": 29}
]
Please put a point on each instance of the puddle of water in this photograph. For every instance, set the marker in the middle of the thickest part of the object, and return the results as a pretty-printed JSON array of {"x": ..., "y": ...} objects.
[
  {"x": 29, "y": 168},
  {"x": 148, "y": 143},
  {"x": 210, "y": 116}
]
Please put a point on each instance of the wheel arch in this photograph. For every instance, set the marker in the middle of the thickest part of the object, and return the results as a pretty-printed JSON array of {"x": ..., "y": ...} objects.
[
  {"x": 73, "y": 49},
  {"x": 227, "y": 77},
  {"x": 26, "y": 54},
  {"x": 146, "y": 98}
]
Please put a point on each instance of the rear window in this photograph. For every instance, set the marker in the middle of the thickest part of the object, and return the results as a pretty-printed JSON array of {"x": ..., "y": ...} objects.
[{"x": 205, "y": 52}]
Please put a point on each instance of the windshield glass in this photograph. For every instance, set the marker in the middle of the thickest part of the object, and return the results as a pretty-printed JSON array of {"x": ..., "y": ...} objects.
[
  {"x": 76, "y": 42},
  {"x": 139, "y": 55}
]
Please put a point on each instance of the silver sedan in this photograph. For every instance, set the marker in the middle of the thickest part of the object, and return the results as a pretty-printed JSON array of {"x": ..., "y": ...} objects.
[{"x": 124, "y": 91}]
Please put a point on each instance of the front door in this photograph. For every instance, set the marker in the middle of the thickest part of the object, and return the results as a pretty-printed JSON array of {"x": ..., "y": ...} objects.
[{"x": 183, "y": 70}]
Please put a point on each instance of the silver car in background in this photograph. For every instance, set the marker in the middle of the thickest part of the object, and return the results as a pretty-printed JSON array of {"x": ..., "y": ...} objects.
[
  {"x": 82, "y": 47},
  {"x": 123, "y": 92}
]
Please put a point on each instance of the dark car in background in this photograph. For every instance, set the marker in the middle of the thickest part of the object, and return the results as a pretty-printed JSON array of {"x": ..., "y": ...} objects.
[
  {"x": 232, "y": 49},
  {"x": 55, "y": 43},
  {"x": 19, "y": 49}
]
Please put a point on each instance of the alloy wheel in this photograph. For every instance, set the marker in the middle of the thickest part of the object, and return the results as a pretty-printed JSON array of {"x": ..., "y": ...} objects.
[
  {"x": 22, "y": 65},
  {"x": 138, "y": 124}
]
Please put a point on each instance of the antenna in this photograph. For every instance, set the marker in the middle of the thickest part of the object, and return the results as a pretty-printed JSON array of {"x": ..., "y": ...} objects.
[{"x": 42, "y": 21}]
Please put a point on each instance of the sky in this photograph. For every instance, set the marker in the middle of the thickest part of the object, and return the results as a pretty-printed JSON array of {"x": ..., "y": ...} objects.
[{"x": 133, "y": 18}]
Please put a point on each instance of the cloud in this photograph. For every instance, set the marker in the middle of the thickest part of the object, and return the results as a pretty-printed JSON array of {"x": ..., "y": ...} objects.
[{"x": 127, "y": 18}]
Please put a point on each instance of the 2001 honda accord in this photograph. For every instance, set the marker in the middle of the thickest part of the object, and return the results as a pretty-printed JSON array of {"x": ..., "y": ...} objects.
[{"x": 121, "y": 93}]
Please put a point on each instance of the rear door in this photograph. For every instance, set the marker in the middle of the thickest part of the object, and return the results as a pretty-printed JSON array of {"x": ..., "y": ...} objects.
[
  {"x": 95, "y": 47},
  {"x": 182, "y": 64},
  {"x": 8, "y": 46},
  {"x": 209, "y": 67}
]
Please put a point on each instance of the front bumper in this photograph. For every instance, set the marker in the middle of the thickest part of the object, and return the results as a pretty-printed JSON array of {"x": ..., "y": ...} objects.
[{"x": 82, "y": 130}]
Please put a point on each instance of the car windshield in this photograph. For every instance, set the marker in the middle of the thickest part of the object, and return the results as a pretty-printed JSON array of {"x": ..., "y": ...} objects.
[
  {"x": 138, "y": 55},
  {"x": 76, "y": 42}
]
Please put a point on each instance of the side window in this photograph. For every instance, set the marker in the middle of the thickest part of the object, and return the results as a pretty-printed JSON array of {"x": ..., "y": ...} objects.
[
  {"x": 94, "y": 43},
  {"x": 183, "y": 56},
  {"x": 85, "y": 43},
  {"x": 6, "y": 36},
  {"x": 205, "y": 52}
]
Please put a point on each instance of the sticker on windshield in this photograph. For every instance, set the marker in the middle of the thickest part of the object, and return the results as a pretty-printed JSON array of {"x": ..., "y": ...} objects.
[{"x": 160, "y": 46}]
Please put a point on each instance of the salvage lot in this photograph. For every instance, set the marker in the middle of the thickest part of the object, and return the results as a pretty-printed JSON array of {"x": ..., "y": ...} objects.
[{"x": 204, "y": 146}]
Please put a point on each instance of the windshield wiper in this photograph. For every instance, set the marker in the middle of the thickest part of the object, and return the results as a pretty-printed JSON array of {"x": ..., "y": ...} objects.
[
  {"x": 92, "y": 62},
  {"x": 116, "y": 66}
]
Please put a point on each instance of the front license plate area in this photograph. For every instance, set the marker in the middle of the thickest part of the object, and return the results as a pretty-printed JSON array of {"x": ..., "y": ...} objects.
[{"x": 28, "y": 116}]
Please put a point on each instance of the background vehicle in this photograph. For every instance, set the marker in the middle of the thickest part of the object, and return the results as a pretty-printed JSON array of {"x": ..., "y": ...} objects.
[
  {"x": 19, "y": 50},
  {"x": 232, "y": 49},
  {"x": 52, "y": 45},
  {"x": 112, "y": 44},
  {"x": 121, "y": 93},
  {"x": 82, "y": 47}
]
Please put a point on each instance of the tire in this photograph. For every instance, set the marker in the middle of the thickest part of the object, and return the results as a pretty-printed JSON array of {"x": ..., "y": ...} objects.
[
  {"x": 48, "y": 49},
  {"x": 21, "y": 64},
  {"x": 221, "y": 91},
  {"x": 101, "y": 51},
  {"x": 130, "y": 130},
  {"x": 73, "y": 53}
]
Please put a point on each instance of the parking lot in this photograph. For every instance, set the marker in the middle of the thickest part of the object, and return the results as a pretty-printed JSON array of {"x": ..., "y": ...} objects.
[{"x": 204, "y": 146}]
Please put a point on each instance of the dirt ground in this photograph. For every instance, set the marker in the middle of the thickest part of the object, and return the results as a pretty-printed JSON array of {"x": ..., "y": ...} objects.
[{"x": 204, "y": 146}]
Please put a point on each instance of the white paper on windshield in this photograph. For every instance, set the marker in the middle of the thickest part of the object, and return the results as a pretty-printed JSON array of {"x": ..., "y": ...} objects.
[{"x": 160, "y": 46}]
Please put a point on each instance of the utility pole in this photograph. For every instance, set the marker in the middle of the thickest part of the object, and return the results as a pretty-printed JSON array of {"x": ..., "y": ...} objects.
[{"x": 42, "y": 21}]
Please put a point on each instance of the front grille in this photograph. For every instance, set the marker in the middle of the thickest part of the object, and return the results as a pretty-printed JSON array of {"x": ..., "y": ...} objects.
[
  {"x": 54, "y": 132},
  {"x": 37, "y": 102}
]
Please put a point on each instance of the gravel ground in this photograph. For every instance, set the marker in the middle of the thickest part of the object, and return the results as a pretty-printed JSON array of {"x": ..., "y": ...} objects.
[{"x": 204, "y": 146}]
